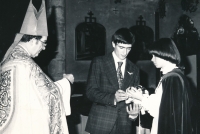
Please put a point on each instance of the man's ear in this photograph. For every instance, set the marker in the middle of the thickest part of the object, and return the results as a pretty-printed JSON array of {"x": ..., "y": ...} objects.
[{"x": 113, "y": 44}]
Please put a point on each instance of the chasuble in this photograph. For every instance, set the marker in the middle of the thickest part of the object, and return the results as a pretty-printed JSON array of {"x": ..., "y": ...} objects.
[{"x": 31, "y": 103}]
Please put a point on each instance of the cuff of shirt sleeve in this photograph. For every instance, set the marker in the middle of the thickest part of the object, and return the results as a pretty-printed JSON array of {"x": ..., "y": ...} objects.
[{"x": 115, "y": 103}]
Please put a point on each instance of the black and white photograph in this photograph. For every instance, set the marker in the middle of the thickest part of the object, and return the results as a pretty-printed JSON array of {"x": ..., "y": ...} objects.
[{"x": 99, "y": 67}]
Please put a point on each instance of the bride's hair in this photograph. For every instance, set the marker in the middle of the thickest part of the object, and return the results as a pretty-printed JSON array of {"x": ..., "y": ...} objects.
[{"x": 166, "y": 49}]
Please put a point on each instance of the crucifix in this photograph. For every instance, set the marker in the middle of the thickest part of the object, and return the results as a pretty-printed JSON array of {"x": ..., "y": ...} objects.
[
  {"x": 90, "y": 17},
  {"x": 141, "y": 22},
  {"x": 115, "y": 10}
]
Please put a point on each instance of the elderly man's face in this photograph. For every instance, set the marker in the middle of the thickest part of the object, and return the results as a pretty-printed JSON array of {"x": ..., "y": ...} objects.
[{"x": 39, "y": 45}]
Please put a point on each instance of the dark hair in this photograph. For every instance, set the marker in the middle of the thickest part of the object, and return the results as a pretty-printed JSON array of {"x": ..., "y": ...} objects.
[
  {"x": 185, "y": 21},
  {"x": 123, "y": 35},
  {"x": 166, "y": 49},
  {"x": 27, "y": 38}
]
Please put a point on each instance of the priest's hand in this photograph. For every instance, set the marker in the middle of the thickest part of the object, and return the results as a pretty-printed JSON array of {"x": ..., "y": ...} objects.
[{"x": 70, "y": 77}]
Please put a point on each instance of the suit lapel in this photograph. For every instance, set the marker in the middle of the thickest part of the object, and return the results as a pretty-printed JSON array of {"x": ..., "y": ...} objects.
[
  {"x": 128, "y": 74},
  {"x": 110, "y": 70}
]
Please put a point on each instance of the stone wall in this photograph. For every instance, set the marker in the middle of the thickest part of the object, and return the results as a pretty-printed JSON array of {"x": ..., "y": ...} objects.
[
  {"x": 56, "y": 11},
  {"x": 114, "y": 16}
]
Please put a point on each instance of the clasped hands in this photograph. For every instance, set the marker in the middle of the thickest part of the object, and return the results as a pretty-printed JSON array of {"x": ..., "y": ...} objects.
[{"x": 131, "y": 94}]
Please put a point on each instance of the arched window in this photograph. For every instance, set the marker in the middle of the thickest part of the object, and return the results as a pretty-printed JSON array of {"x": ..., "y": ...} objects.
[{"x": 90, "y": 39}]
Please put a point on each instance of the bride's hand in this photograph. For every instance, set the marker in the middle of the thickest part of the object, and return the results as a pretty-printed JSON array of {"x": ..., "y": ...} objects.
[{"x": 134, "y": 93}]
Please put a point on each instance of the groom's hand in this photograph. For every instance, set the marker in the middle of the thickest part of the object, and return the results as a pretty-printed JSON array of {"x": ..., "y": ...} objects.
[{"x": 120, "y": 95}]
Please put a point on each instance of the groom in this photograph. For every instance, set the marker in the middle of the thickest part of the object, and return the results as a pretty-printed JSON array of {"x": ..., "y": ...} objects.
[{"x": 109, "y": 77}]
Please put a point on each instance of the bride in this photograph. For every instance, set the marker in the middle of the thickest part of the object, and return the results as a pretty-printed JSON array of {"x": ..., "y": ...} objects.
[{"x": 171, "y": 103}]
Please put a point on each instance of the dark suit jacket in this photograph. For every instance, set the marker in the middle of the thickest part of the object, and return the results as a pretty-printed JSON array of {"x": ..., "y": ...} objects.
[{"x": 101, "y": 87}]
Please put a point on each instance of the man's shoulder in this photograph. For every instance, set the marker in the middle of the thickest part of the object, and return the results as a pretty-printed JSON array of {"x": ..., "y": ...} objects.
[
  {"x": 18, "y": 54},
  {"x": 130, "y": 63},
  {"x": 17, "y": 58}
]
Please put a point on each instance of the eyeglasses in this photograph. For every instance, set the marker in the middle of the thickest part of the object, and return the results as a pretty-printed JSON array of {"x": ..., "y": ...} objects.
[{"x": 44, "y": 43}]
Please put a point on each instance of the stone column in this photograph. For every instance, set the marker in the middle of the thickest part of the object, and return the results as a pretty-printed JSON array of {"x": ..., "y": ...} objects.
[{"x": 56, "y": 67}]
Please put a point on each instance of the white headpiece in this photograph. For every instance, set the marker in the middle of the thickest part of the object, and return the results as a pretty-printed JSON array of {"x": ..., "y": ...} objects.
[{"x": 35, "y": 23}]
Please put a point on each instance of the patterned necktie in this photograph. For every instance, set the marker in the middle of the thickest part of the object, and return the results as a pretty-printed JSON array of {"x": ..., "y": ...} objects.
[{"x": 119, "y": 74}]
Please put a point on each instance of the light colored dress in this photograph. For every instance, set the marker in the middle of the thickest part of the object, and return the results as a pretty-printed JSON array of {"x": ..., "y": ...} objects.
[
  {"x": 152, "y": 103},
  {"x": 31, "y": 103}
]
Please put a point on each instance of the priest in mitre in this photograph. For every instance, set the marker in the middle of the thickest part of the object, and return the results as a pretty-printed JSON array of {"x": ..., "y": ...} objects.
[{"x": 30, "y": 102}]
